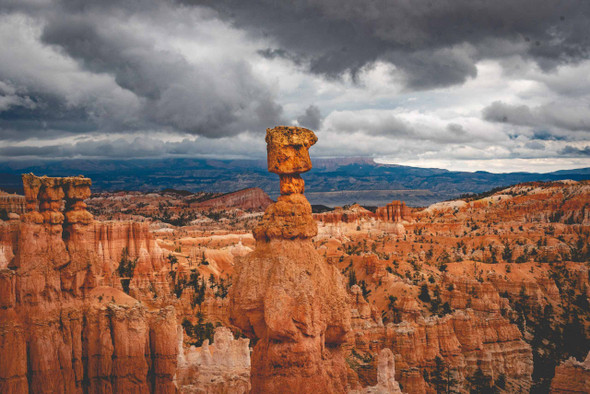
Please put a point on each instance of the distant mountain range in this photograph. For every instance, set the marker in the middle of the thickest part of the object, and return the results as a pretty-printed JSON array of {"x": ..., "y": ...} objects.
[{"x": 331, "y": 182}]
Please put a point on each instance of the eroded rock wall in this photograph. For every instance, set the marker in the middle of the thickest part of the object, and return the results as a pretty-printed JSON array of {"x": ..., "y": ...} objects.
[
  {"x": 59, "y": 330},
  {"x": 572, "y": 376},
  {"x": 221, "y": 367}
]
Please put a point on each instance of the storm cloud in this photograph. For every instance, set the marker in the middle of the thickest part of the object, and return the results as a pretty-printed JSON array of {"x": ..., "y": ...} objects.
[
  {"x": 311, "y": 118},
  {"x": 214, "y": 97},
  {"x": 436, "y": 43},
  {"x": 417, "y": 82},
  {"x": 569, "y": 117}
]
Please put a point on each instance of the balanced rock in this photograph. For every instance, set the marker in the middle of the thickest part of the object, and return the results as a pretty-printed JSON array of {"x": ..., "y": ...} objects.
[{"x": 285, "y": 295}]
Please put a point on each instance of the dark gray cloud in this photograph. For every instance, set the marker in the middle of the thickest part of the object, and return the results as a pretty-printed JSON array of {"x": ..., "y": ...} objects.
[
  {"x": 141, "y": 147},
  {"x": 43, "y": 116},
  {"x": 573, "y": 151},
  {"x": 514, "y": 114},
  {"x": 535, "y": 145},
  {"x": 436, "y": 43},
  {"x": 185, "y": 96},
  {"x": 150, "y": 78},
  {"x": 311, "y": 118},
  {"x": 569, "y": 116},
  {"x": 213, "y": 98},
  {"x": 456, "y": 129}
]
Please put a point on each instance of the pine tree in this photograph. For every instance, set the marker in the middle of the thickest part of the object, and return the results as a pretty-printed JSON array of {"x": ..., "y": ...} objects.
[
  {"x": 442, "y": 377},
  {"x": 438, "y": 374},
  {"x": 424, "y": 296},
  {"x": 172, "y": 260},
  {"x": 479, "y": 383},
  {"x": 507, "y": 253}
]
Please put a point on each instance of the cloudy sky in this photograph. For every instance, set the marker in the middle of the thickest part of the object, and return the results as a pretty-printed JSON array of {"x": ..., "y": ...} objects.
[{"x": 497, "y": 85}]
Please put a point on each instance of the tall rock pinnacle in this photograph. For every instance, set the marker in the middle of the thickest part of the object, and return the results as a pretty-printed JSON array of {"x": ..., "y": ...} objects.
[{"x": 285, "y": 295}]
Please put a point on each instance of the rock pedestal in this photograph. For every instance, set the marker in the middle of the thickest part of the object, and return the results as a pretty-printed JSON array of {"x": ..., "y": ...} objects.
[{"x": 285, "y": 295}]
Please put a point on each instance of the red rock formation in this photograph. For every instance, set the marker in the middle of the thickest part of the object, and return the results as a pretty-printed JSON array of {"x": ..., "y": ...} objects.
[
  {"x": 284, "y": 293},
  {"x": 221, "y": 367},
  {"x": 340, "y": 215},
  {"x": 58, "y": 331},
  {"x": 247, "y": 199},
  {"x": 572, "y": 376},
  {"x": 396, "y": 211},
  {"x": 386, "y": 383},
  {"x": 12, "y": 203},
  {"x": 374, "y": 266},
  {"x": 465, "y": 339}
]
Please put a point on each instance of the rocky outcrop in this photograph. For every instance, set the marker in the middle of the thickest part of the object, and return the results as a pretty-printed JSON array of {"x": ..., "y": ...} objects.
[
  {"x": 221, "y": 367},
  {"x": 252, "y": 199},
  {"x": 353, "y": 214},
  {"x": 285, "y": 295},
  {"x": 12, "y": 203},
  {"x": 44, "y": 197},
  {"x": 386, "y": 383},
  {"x": 59, "y": 330},
  {"x": 354, "y": 219},
  {"x": 467, "y": 340},
  {"x": 572, "y": 376},
  {"x": 396, "y": 212}
]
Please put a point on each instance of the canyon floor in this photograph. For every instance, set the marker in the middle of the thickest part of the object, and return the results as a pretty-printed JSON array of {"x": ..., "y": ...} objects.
[{"x": 488, "y": 293}]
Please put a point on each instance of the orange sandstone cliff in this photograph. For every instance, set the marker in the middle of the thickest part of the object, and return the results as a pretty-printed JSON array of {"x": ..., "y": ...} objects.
[
  {"x": 59, "y": 330},
  {"x": 252, "y": 198},
  {"x": 572, "y": 376}
]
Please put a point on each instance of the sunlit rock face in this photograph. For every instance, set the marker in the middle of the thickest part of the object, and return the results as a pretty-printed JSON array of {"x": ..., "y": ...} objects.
[
  {"x": 572, "y": 376},
  {"x": 285, "y": 295},
  {"x": 60, "y": 330},
  {"x": 396, "y": 211},
  {"x": 221, "y": 367},
  {"x": 386, "y": 383}
]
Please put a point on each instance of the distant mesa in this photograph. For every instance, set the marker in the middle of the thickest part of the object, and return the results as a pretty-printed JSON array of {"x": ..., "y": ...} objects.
[{"x": 254, "y": 199}]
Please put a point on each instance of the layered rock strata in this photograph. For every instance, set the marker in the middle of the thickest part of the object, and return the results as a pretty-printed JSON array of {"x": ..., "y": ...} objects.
[
  {"x": 285, "y": 296},
  {"x": 44, "y": 199},
  {"x": 254, "y": 199},
  {"x": 221, "y": 367},
  {"x": 12, "y": 203},
  {"x": 386, "y": 383},
  {"x": 59, "y": 330},
  {"x": 396, "y": 211},
  {"x": 572, "y": 376}
]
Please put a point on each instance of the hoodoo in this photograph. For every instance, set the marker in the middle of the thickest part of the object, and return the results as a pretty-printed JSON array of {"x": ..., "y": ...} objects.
[
  {"x": 285, "y": 295},
  {"x": 62, "y": 328}
]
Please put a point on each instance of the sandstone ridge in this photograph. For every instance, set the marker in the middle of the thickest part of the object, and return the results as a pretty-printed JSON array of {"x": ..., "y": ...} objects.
[{"x": 61, "y": 330}]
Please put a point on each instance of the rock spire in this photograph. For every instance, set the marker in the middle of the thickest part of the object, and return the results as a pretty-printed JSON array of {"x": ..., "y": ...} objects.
[{"x": 285, "y": 295}]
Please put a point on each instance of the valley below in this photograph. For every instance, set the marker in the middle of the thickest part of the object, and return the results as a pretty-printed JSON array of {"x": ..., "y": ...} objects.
[{"x": 488, "y": 293}]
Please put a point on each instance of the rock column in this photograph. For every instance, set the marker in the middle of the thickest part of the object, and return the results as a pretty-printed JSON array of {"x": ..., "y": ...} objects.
[
  {"x": 285, "y": 295},
  {"x": 77, "y": 189},
  {"x": 31, "y": 186},
  {"x": 51, "y": 197}
]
